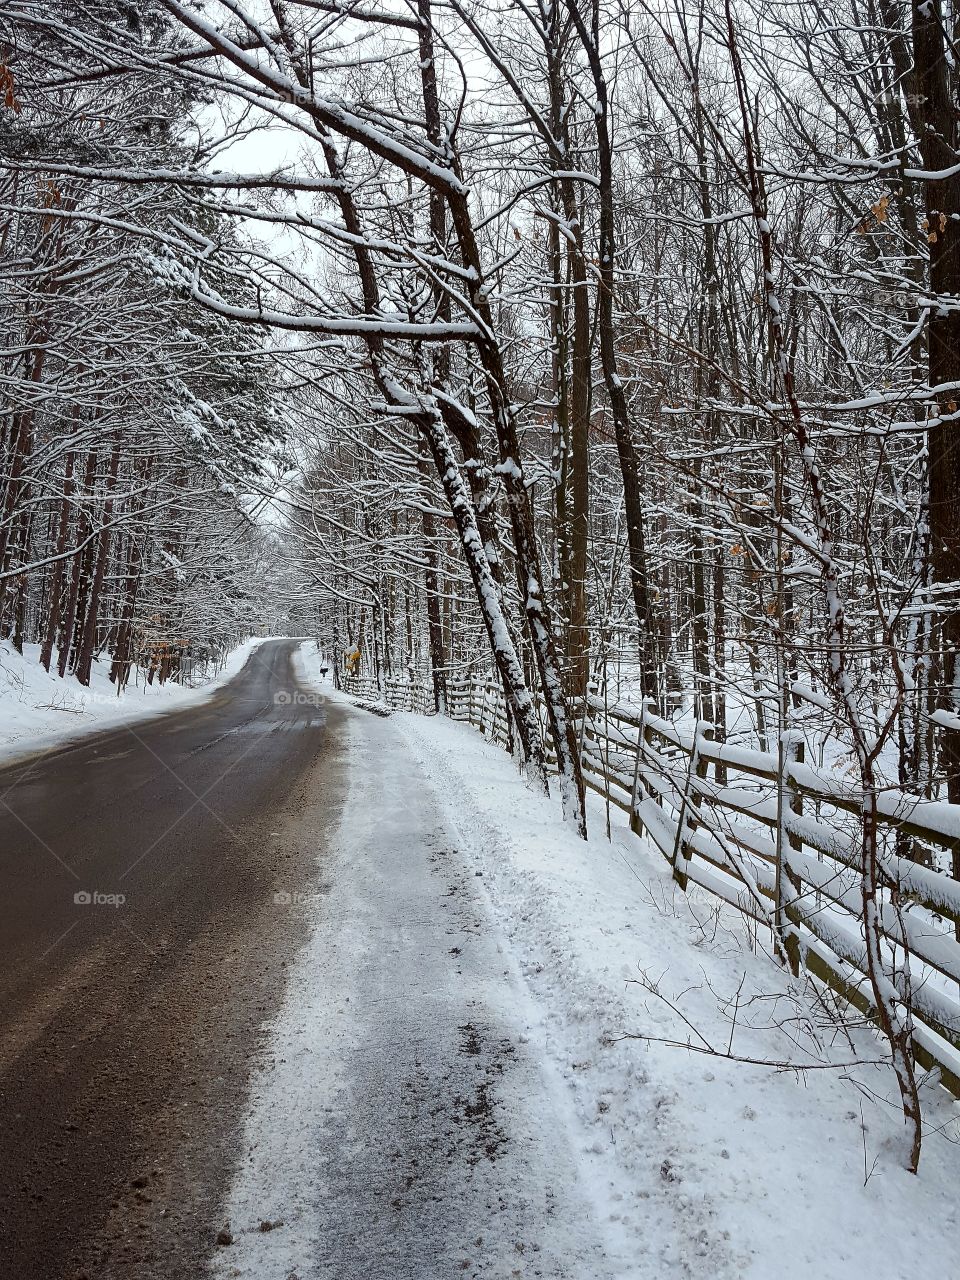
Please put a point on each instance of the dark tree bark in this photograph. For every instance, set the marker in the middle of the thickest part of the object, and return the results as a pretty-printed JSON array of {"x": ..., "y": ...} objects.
[
  {"x": 937, "y": 125},
  {"x": 606, "y": 319},
  {"x": 89, "y": 635},
  {"x": 56, "y": 584}
]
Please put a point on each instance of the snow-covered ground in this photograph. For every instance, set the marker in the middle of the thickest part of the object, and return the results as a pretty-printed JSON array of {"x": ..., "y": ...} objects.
[
  {"x": 621, "y": 1157},
  {"x": 39, "y": 711}
]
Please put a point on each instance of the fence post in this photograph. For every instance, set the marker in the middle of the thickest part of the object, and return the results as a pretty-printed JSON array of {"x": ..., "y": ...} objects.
[
  {"x": 591, "y": 692},
  {"x": 787, "y": 883},
  {"x": 689, "y": 804},
  {"x": 485, "y": 706},
  {"x": 636, "y": 825}
]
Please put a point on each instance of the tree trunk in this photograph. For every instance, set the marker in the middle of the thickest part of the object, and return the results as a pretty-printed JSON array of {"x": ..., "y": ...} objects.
[
  {"x": 89, "y": 638},
  {"x": 56, "y": 585},
  {"x": 83, "y": 529},
  {"x": 937, "y": 125}
]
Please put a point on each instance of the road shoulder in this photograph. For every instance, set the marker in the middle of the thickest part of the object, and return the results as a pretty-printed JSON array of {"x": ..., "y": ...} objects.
[{"x": 402, "y": 1124}]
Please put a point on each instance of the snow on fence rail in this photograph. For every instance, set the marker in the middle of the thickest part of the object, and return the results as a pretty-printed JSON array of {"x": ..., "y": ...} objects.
[{"x": 774, "y": 838}]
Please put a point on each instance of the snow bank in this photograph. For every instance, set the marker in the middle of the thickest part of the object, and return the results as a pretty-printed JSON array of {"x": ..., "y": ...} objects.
[
  {"x": 797, "y": 1172},
  {"x": 630, "y": 996},
  {"x": 39, "y": 711}
]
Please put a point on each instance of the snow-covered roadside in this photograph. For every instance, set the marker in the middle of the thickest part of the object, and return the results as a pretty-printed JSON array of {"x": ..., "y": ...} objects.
[
  {"x": 774, "y": 1162},
  {"x": 683, "y": 1164},
  {"x": 404, "y": 1123},
  {"x": 39, "y": 711}
]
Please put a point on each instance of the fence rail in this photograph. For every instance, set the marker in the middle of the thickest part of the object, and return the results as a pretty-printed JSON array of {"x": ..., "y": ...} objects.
[{"x": 773, "y": 837}]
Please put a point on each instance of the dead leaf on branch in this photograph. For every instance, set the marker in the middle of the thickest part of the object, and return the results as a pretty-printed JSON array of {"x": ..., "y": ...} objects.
[{"x": 8, "y": 89}]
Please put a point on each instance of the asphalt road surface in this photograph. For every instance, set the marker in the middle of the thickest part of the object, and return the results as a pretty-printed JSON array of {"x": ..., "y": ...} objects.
[{"x": 144, "y": 939}]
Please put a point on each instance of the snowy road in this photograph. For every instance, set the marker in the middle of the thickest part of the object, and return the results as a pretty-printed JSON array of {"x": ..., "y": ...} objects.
[
  {"x": 126, "y": 1026},
  {"x": 360, "y": 1015},
  {"x": 404, "y": 1129}
]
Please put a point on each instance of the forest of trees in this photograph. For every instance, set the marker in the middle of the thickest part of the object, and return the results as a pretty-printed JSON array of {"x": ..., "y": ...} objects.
[
  {"x": 578, "y": 340},
  {"x": 131, "y": 421}
]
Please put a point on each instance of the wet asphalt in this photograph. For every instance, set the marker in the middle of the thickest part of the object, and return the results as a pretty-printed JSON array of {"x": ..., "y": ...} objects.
[{"x": 145, "y": 936}]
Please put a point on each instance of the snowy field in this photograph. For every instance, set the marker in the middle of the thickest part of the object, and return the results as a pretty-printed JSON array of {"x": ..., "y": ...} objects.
[
  {"x": 667, "y": 1160},
  {"x": 39, "y": 711}
]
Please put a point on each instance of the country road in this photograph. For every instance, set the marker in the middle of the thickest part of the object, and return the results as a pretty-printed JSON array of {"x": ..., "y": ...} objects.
[{"x": 142, "y": 944}]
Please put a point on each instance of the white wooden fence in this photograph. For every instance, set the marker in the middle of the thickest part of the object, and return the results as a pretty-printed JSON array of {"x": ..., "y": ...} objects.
[{"x": 773, "y": 837}]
